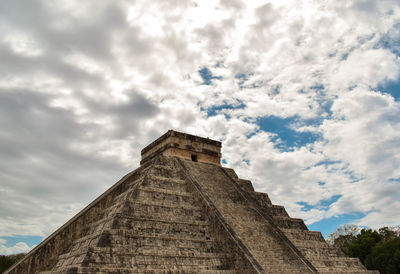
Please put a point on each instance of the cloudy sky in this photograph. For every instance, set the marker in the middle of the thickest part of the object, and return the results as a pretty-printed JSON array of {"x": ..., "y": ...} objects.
[{"x": 304, "y": 95}]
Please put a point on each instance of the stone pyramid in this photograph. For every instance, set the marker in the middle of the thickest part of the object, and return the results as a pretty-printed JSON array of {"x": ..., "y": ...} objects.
[{"x": 182, "y": 212}]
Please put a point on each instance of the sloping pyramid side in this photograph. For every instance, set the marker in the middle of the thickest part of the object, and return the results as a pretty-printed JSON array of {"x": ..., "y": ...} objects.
[
  {"x": 149, "y": 223},
  {"x": 178, "y": 216},
  {"x": 272, "y": 236},
  {"x": 45, "y": 255}
]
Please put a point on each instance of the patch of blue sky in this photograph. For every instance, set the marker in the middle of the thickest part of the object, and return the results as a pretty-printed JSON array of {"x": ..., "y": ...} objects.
[
  {"x": 321, "y": 97},
  {"x": 324, "y": 102},
  {"x": 394, "y": 180},
  {"x": 328, "y": 225},
  {"x": 327, "y": 202},
  {"x": 330, "y": 166},
  {"x": 338, "y": 166},
  {"x": 275, "y": 90},
  {"x": 214, "y": 110},
  {"x": 318, "y": 87},
  {"x": 305, "y": 206},
  {"x": 326, "y": 107},
  {"x": 391, "y": 40},
  {"x": 352, "y": 176},
  {"x": 258, "y": 84},
  {"x": 347, "y": 54},
  {"x": 332, "y": 54},
  {"x": 327, "y": 163},
  {"x": 29, "y": 240},
  {"x": 207, "y": 76},
  {"x": 390, "y": 87},
  {"x": 251, "y": 134},
  {"x": 286, "y": 137},
  {"x": 242, "y": 77},
  {"x": 321, "y": 205}
]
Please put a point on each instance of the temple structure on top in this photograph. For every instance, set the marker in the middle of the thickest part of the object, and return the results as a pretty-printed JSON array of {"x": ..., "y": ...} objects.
[
  {"x": 182, "y": 212},
  {"x": 186, "y": 146}
]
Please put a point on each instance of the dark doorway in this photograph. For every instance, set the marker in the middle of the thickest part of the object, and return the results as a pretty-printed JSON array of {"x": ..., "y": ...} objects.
[{"x": 194, "y": 157}]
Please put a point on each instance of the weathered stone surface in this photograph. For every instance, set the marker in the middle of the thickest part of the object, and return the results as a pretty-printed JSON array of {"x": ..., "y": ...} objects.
[
  {"x": 184, "y": 146},
  {"x": 176, "y": 214}
]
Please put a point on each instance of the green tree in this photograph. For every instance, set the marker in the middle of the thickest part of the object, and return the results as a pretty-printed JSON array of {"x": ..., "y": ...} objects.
[
  {"x": 343, "y": 237},
  {"x": 364, "y": 243},
  {"x": 388, "y": 233},
  {"x": 379, "y": 250},
  {"x": 385, "y": 257}
]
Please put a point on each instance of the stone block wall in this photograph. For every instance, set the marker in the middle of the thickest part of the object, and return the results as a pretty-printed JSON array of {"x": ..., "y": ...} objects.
[
  {"x": 44, "y": 256},
  {"x": 185, "y": 146}
]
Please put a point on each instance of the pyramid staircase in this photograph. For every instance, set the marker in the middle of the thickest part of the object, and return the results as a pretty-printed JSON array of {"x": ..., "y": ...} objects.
[
  {"x": 177, "y": 215},
  {"x": 311, "y": 244},
  {"x": 155, "y": 226}
]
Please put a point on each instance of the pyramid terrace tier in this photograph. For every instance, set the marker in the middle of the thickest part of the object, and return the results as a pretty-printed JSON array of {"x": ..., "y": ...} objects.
[{"x": 177, "y": 215}]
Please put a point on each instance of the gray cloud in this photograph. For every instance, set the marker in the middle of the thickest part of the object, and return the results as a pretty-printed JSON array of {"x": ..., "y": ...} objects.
[
  {"x": 40, "y": 168},
  {"x": 85, "y": 85}
]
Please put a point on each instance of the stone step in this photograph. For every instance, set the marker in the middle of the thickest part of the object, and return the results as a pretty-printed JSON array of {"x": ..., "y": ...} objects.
[
  {"x": 133, "y": 245},
  {"x": 123, "y": 270},
  {"x": 350, "y": 271},
  {"x": 131, "y": 220},
  {"x": 165, "y": 191},
  {"x": 131, "y": 186},
  {"x": 122, "y": 258},
  {"x": 328, "y": 251},
  {"x": 128, "y": 192},
  {"x": 98, "y": 226},
  {"x": 177, "y": 250},
  {"x": 146, "y": 226},
  {"x": 283, "y": 269},
  {"x": 261, "y": 198},
  {"x": 85, "y": 241},
  {"x": 176, "y": 229},
  {"x": 147, "y": 194},
  {"x": 173, "y": 252},
  {"x": 128, "y": 222},
  {"x": 134, "y": 201},
  {"x": 119, "y": 200},
  {"x": 113, "y": 209},
  {"x": 246, "y": 185},
  {"x": 231, "y": 173},
  {"x": 287, "y": 222},
  {"x": 151, "y": 232},
  {"x": 165, "y": 183},
  {"x": 276, "y": 210},
  {"x": 130, "y": 234},
  {"x": 127, "y": 239},
  {"x": 163, "y": 171},
  {"x": 156, "y": 184},
  {"x": 67, "y": 260},
  {"x": 166, "y": 251},
  {"x": 302, "y": 234},
  {"x": 337, "y": 263},
  {"x": 177, "y": 213},
  {"x": 304, "y": 245},
  {"x": 333, "y": 270},
  {"x": 287, "y": 266},
  {"x": 158, "y": 204}
]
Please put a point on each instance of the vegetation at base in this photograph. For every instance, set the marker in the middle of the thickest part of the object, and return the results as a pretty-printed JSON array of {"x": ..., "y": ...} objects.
[
  {"x": 8, "y": 260},
  {"x": 377, "y": 250}
]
